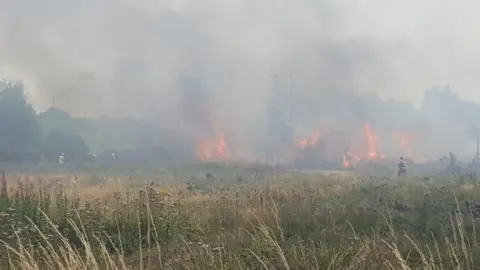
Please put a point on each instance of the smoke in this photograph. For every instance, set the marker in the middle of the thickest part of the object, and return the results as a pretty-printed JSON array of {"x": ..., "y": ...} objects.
[
  {"x": 129, "y": 57},
  {"x": 126, "y": 57}
]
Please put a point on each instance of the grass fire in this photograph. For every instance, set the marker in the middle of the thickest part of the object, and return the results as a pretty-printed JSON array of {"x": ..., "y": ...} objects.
[{"x": 183, "y": 134}]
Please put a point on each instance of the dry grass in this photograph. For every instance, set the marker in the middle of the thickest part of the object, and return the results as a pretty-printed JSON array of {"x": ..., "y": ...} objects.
[{"x": 182, "y": 220}]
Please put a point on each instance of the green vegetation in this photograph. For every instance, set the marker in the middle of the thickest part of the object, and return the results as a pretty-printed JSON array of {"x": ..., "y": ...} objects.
[
  {"x": 28, "y": 138},
  {"x": 271, "y": 221}
]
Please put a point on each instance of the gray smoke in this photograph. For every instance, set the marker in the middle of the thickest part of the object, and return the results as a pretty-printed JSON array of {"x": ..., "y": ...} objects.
[{"x": 129, "y": 58}]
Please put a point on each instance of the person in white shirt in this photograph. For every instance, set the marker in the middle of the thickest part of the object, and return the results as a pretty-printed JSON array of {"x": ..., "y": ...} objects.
[{"x": 61, "y": 159}]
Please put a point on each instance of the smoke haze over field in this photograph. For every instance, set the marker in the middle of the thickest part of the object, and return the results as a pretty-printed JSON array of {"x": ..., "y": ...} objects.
[
  {"x": 131, "y": 53},
  {"x": 128, "y": 57}
]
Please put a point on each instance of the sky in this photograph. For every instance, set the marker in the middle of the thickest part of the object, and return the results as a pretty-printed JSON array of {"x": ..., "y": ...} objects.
[{"x": 126, "y": 57}]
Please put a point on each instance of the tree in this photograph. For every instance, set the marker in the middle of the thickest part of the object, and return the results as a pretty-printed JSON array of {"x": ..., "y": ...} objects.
[
  {"x": 20, "y": 136},
  {"x": 69, "y": 143},
  {"x": 55, "y": 119}
]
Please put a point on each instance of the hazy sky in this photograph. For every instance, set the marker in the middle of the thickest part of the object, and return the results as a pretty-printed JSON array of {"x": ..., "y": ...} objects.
[{"x": 122, "y": 57}]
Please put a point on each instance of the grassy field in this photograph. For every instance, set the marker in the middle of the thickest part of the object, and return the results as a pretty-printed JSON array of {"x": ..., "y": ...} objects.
[{"x": 222, "y": 217}]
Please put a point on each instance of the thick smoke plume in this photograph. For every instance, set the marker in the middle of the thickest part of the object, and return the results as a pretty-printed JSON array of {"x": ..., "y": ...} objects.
[{"x": 132, "y": 58}]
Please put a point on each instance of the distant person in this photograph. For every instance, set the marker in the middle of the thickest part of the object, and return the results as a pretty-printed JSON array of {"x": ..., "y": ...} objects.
[
  {"x": 61, "y": 159},
  {"x": 402, "y": 167},
  {"x": 113, "y": 156}
]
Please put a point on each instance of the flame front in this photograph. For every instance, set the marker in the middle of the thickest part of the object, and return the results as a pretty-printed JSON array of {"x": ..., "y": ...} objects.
[
  {"x": 372, "y": 151},
  {"x": 326, "y": 148},
  {"x": 312, "y": 140},
  {"x": 346, "y": 161},
  {"x": 213, "y": 150},
  {"x": 372, "y": 142},
  {"x": 350, "y": 160}
]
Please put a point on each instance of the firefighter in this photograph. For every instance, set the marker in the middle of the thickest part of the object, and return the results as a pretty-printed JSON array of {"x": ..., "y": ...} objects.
[
  {"x": 61, "y": 159},
  {"x": 402, "y": 167}
]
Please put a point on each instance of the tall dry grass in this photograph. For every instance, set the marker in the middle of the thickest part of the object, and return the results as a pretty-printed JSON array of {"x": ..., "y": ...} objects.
[{"x": 270, "y": 221}]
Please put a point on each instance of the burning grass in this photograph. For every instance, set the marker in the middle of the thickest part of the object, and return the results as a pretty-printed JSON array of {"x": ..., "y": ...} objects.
[{"x": 238, "y": 221}]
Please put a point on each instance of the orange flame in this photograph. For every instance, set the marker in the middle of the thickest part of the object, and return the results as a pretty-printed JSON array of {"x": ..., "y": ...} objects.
[
  {"x": 312, "y": 140},
  {"x": 372, "y": 143},
  {"x": 350, "y": 160},
  {"x": 210, "y": 150},
  {"x": 346, "y": 161}
]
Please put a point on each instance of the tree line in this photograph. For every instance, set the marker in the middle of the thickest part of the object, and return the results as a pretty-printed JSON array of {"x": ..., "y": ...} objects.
[{"x": 23, "y": 138}]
